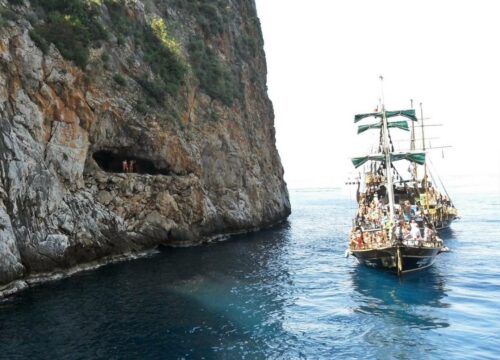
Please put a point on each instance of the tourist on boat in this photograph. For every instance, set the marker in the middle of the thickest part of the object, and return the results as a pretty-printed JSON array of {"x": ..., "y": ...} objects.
[
  {"x": 369, "y": 239},
  {"x": 359, "y": 239},
  {"x": 388, "y": 229},
  {"x": 413, "y": 211},
  {"x": 374, "y": 217},
  {"x": 406, "y": 208},
  {"x": 406, "y": 232},
  {"x": 432, "y": 197},
  {"x": 380, "y": 237},
  {"x": 353, "y": 241},
  {"x": 382, "y": 191},
  {"x": 399, "y": 230},
  {"x": 428, "y": 232},
  {"x": 415, "y": 232},
  {"x": 424, "y": 180}
]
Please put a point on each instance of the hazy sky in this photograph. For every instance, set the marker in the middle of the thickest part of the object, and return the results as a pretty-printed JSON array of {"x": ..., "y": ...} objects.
[{"x": 324, "y": 59}]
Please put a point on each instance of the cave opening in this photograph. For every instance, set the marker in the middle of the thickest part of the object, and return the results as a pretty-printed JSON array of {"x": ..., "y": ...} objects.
[{"x": 113, "y": 162}]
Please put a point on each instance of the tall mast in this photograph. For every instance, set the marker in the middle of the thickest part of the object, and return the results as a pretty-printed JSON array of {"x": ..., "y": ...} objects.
[
  {"x": 422, "y": 120},
  {"x": 412, "y": 141},
  {"x": 412, "y": 147},
  {"x": 426, "y": 181},
  {"x": 387, "y": 152}
]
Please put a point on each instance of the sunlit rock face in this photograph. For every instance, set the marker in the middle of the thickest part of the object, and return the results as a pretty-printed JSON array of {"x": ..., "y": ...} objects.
[{"x": 203, "y": 141}]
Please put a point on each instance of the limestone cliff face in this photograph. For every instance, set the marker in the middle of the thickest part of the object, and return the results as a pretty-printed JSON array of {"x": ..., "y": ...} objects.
[{"x": 207, "y": 161}]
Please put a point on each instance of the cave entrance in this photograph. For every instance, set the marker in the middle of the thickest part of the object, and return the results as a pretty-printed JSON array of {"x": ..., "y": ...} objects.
[{"x": 113, "y": 163}]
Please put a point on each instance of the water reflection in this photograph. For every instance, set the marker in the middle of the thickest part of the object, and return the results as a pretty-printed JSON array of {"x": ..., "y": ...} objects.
[
  {"x": 447, "y": 234},
  {"x": 397, "y": 308},
  {"x": 409, "y": 301},
  {"x": 244, "y": 286},
  {"x": 223, "y": 300}
]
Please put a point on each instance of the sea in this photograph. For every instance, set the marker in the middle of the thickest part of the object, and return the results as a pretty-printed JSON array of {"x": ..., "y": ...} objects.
[{"x": 282, "y": 293}]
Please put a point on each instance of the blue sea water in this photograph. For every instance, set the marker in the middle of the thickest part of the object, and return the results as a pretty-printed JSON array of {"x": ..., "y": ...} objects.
[{"x": 285, "y": 293}]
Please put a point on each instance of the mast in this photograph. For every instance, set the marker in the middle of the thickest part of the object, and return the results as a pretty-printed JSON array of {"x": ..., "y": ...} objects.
[
  {"x": 412, "y": 148},
  {"x": 422, "y": 120},
  {"x": 412, "y": 141},
  {"x": 387, "y": 152},
  {"x": 426, "y": 181}
]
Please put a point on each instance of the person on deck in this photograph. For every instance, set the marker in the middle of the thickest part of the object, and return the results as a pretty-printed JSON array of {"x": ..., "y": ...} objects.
[
  {"x": 367, "y": 238},
  {"x": 415, "y": 232},
  {"x": 406, "y": 232},
  {"x": 353, "y": 241},
  {"x": 406, "y": 210},
  {"x": 425, "y": 181},
  {"x": 388, "y": 230},
  {"x": 359, "y": 239},
  {"x": 428, "y": 232},
  {"x": 399, "y": 230}
]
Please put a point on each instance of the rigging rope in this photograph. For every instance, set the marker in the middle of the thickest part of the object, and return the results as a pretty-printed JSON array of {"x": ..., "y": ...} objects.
[{"x": 440, "y": 181}]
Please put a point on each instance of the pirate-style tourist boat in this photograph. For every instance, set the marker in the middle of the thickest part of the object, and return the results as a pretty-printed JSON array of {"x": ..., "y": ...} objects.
[{"x": 398, "y": 217}]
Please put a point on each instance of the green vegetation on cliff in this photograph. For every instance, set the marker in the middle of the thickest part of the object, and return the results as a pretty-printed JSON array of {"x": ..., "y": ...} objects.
[
  {"x": 159, "y": 48},
  {"x": 214, "y": 79},
  {"x": 72, "y": 26},
  {"x": 75, "y": 27},
  {"x": 163, "y": 55},
  {"x": 211, "y": 15}
]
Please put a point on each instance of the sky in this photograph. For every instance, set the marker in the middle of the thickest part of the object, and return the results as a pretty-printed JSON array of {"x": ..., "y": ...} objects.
[{"x": 324, "y": 61}]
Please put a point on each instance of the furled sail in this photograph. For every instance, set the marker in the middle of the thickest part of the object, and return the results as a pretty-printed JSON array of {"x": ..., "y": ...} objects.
[
  {"x": 410, "y": 114},
  {"x": 403, "y": 124},
  {"x": 416, "y": 157}
]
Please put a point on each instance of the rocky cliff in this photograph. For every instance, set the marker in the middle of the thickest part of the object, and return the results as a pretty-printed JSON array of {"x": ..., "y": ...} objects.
[{"x": 179, "y": 86}]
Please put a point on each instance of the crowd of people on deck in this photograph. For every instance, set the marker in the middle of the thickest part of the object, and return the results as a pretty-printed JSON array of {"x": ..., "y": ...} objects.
[{"x": 374, "y": 228}]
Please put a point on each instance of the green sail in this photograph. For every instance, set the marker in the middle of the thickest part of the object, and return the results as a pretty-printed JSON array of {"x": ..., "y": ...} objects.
[
  {"x": 403, "y": 124},
  {"x": 416, "y": 157},
  {"x": 359, "y": 117},
  {"x": 410, "y": 114}
]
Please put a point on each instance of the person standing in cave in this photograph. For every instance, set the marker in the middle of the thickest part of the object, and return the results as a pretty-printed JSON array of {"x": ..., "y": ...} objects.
[
  {"x": 125, "y": 166},
  {"x": 131, "y": 166}
]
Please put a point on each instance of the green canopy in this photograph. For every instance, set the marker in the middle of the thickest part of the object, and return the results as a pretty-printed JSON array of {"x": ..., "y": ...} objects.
[
  {"x": 394, "y": 124},
  {"x": 416, "y": 157},
  {"x": 410, "y": 114}
]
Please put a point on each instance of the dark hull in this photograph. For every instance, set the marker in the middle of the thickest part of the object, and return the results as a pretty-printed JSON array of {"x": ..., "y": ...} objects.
[
  {"x": 444, "y": 225},
  {"x": 411, "y": 258}
]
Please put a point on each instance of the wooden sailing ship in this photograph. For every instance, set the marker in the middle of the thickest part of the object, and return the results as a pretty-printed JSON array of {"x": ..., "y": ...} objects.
[{"x": 398, "y": 217}]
